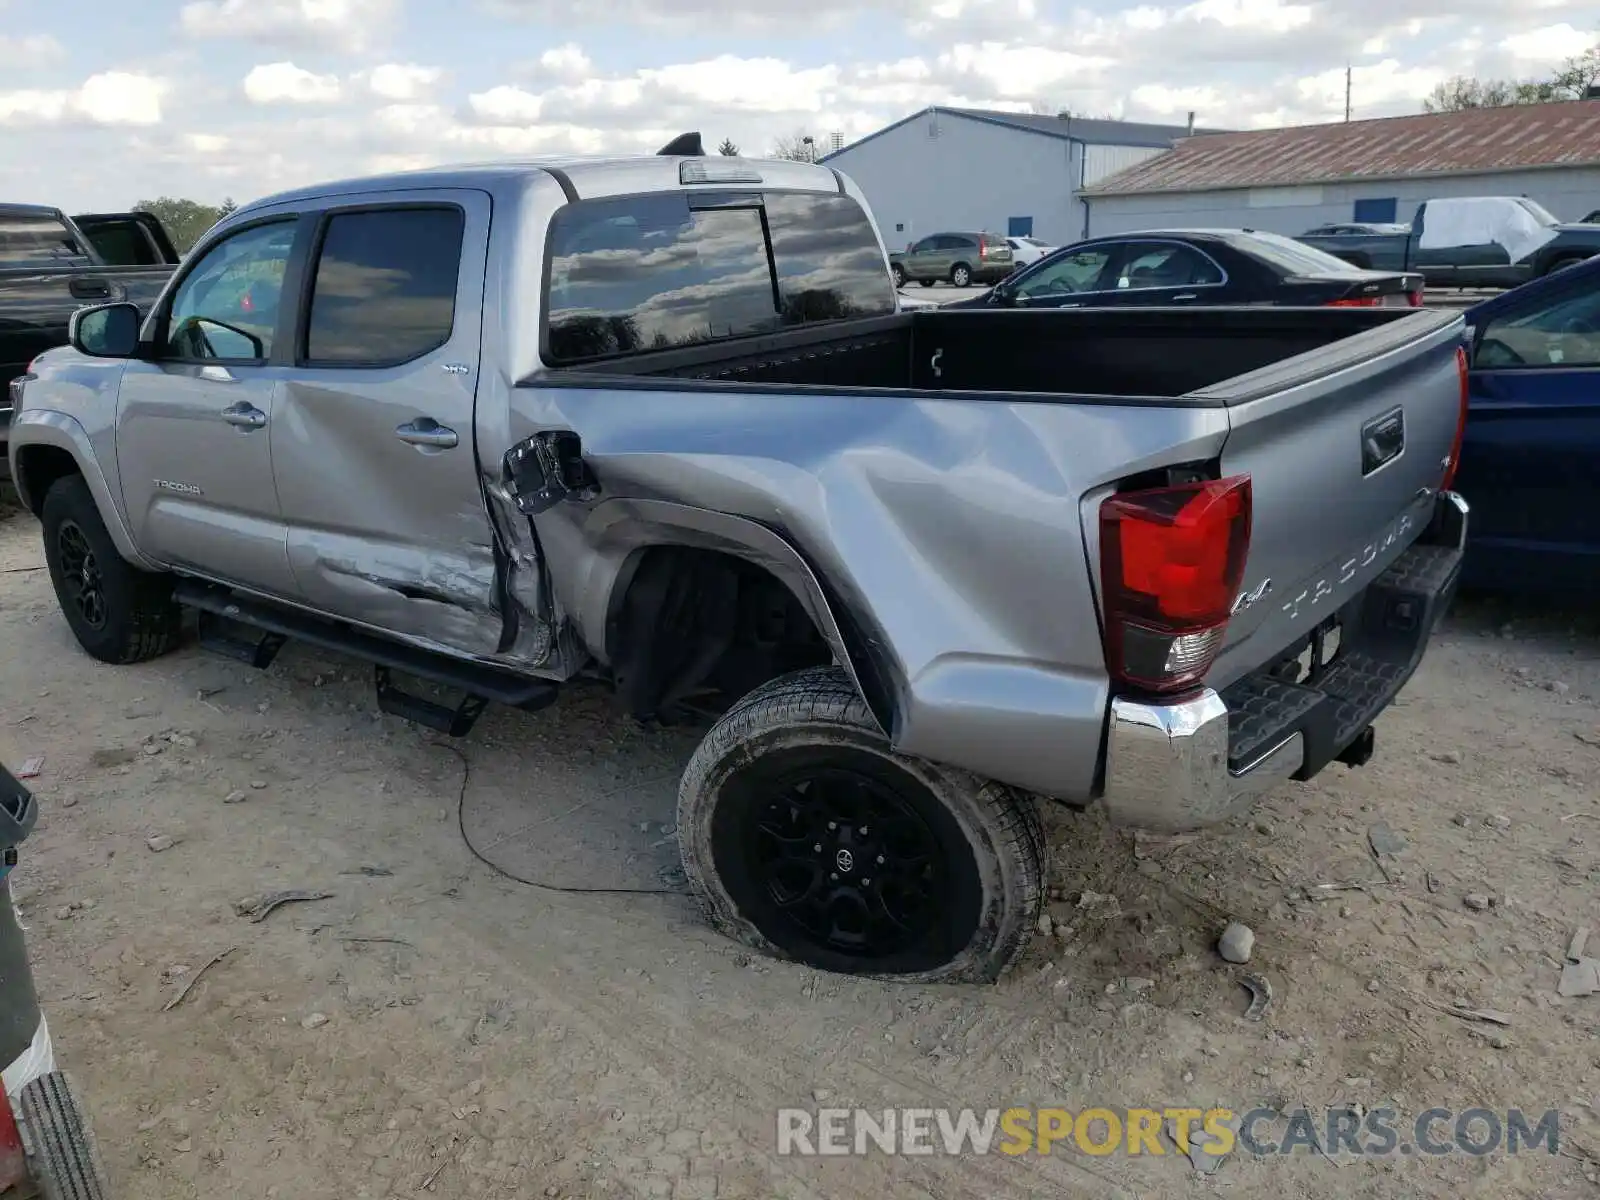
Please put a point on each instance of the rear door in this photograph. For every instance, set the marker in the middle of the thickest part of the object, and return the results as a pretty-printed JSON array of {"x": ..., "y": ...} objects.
[
  {"x": 1530, "y": 465},
  {"x": 44, "y": 275},
  {"x": 1162, "y": 273},
  {"x": 921, "y": 261},
  {"x": 373, "y": 450},
  {"x": 1466, "y": 262}
]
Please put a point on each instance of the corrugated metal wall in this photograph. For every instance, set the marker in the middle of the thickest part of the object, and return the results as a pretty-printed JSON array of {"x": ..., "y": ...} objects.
[
  {"x": 1101, "y": 162},
  {"x": 940, "y": 172},
  {"x": 1570, "y": 193}
]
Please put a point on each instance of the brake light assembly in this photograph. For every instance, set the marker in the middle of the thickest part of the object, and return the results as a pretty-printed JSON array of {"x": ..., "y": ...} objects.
[
  {"x": 1172, "y": 561},
  {"x": 1453, "y": 463}
]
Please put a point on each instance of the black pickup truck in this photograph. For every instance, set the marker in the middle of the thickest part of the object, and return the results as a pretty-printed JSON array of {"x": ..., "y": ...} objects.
[
  {"x": 1468, "y": 242},
  {"x": 52, "y": 264}
]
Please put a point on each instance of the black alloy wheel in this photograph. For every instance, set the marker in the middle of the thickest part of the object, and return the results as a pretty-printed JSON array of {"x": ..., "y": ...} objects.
[{"x": 80, "y": 575}]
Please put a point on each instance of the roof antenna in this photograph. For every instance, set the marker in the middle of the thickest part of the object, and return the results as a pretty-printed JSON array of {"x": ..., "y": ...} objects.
[{"x": 686, "y": 145}]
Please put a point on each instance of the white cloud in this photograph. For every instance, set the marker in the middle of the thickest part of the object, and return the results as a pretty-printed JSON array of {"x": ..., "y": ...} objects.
[
  {"x": 285, "y": 83},
  {"x": 402, "y": 81},
  {"x": 1549, "y": 46},
  {"x": 346, "y": 24},
  {"x": 506, "y": 105},
  {"x": 30, "y": 50},
  {"x": 370, "y": 85},
  {"x": 566, "y": 62},
  {"x": 109, "y": 98}
]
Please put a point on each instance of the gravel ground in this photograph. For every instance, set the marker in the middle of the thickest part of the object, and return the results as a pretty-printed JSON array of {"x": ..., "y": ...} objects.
[{"x": 434, "y": 1028}]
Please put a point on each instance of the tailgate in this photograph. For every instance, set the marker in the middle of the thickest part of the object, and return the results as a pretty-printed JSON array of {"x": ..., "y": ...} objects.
[{"x": 1344, "y": 447}]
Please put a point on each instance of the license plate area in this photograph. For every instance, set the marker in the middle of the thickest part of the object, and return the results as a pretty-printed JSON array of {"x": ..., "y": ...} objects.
[{"x": 1310, "y": 659}]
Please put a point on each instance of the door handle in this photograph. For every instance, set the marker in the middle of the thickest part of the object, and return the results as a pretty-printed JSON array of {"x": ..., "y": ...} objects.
[
  {"x": 428, "y": 433},
  {"x": 1187, "y": 296},
  {"x": 89, "y": 288},
  {"x": 245, "y": 416}
]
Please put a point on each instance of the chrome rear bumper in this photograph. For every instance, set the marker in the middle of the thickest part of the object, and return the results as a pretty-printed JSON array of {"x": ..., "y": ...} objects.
[{"x": 1173, "y": 767}]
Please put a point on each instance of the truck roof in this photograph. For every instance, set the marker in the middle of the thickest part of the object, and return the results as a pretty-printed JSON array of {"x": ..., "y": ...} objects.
[
  {"x": 590, "y": 176},
  {"x": 29, "y": 210}
]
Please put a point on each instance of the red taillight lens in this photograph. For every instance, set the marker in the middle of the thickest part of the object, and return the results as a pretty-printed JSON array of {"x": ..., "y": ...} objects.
[
  {"x": 1415, "y": 298},
  {"x": 1171, "y": 561},
  {"x": 1357, "y": 302},
  {"x": 1454, "y": 462}
]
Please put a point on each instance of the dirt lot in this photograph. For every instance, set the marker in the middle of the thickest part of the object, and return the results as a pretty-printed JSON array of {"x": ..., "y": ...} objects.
[{"x": 515, "y": 1042}]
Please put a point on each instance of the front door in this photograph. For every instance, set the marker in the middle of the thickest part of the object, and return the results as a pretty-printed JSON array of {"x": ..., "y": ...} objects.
[
  {"x": 1529, "y": 466},
  {"x": 373, "y": 446},
  {"x": 195, "y": 416},
  {"x": 1069, "y": 280}
]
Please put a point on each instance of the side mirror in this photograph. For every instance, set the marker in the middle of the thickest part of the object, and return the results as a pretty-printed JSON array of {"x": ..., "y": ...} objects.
[{"x": 105, "y": 331}]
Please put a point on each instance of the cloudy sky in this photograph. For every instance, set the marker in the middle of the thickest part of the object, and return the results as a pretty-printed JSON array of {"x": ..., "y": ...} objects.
[{"x": 214, "y": 98}]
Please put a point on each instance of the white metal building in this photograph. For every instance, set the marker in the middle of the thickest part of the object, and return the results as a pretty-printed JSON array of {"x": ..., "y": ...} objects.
[
  {"x": 1291, "y": 180},
  {"x": 1017, "y": 174}
]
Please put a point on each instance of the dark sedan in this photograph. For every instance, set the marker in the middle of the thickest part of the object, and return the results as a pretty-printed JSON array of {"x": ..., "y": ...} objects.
[{"x": 1201, "y": 267}]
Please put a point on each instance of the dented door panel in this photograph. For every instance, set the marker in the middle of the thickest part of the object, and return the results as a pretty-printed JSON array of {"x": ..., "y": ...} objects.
[{"x": 376, "y": 465}]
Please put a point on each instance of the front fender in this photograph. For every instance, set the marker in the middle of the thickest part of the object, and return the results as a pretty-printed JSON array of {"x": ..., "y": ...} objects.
[
  {"x": 35, "y": 429},
  {"x": 615, "y": 530}
]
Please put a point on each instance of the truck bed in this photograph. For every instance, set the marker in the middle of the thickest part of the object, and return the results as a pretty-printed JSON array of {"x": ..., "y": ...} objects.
[{"x": 1128, "y": 354}]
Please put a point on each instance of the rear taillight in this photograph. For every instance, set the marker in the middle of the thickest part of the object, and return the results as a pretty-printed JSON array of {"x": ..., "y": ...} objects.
[
  {"x": 1415, "y": 298},
  {"x": 1357, "y": 302},
  {"x": 1453, "y": 463},
  {"x": 1171, "y": 562},
  {"x": 983, "y": 249}
]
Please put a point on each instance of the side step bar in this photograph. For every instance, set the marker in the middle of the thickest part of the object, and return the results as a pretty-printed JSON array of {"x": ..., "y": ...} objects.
[{"x": 217, "y": 608}]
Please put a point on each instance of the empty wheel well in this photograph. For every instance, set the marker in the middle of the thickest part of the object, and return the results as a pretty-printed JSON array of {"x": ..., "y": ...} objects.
[
  {"x": 38, "y": 468},
  {"x": 684, "y": 620}
]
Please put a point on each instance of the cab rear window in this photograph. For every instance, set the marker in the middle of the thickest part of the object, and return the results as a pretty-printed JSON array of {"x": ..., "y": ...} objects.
[{"x": 673, "y": 269}]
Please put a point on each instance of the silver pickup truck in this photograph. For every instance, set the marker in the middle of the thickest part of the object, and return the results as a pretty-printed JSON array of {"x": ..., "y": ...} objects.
[{"x": 659, "y": 419}]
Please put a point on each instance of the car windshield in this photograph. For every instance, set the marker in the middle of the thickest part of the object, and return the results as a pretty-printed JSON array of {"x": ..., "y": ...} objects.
[
  {"x": 1296, "y": 258},
  {"x": 1540, "y": 213}
]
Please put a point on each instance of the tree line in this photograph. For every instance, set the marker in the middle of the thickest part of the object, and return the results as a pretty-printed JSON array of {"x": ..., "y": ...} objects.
[
  {"x": 1571, "y": 82},
  {"x": 185, "y": 220}
]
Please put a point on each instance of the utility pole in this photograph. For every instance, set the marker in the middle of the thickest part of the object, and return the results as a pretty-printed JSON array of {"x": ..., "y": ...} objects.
[{"x": 1347, "y": 94}]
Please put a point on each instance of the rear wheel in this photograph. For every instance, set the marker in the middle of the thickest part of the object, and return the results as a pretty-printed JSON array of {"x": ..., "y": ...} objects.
[
  {"x": 1561, "y": 264},
  {"x": 118, "y": 613},
  {"x": 961, "y": 275},
  {"x": 807, "y": 836},
  {"x": 899, "y": 275},
  {"x": 927, "y": 282}
]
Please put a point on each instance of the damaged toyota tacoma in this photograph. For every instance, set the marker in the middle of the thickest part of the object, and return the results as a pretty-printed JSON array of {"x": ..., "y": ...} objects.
[{"x": 658, "y": 420}]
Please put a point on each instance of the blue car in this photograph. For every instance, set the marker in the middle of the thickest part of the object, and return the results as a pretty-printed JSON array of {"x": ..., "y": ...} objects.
[{"x": 1530, "y": 461}]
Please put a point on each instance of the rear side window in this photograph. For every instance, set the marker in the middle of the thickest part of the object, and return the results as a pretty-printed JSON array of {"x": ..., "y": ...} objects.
[
  {"x": 27, "y": 239},
  {"x": 651, "y": 272},
  {"x": 828, "y": 261},
  {"x": 122, "y": 244},
  {"x": 385, "y": 286}
]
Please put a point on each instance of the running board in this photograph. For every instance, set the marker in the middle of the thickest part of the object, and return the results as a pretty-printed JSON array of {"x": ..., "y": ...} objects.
[{"x": 217, "y": 607}]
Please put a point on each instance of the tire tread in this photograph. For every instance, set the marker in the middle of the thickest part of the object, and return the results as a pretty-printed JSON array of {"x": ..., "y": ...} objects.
[
  {"x": 823, "y": 697},
  {"x": 151, "y": 621},
  {"x": 61, "y": 1149}
]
